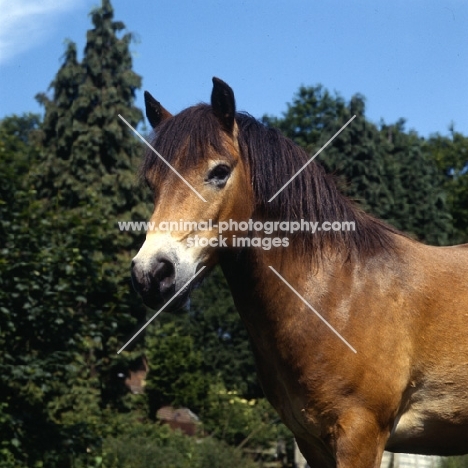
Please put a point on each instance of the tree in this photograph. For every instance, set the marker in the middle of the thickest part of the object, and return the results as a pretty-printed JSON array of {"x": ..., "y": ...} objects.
[
  {"x": 176, "y": 376},
  {"x": 312, "y": 112},
  {"x": 87, "y": 149},
  {"x": 451, "y": 157},
  {"x": 45, "y": 344},
  {"x": 65, "y": 301},
  {"x": 385, "y": 168},
  {"x": 90, "y": 158},
  {"x": 15, "y": 158},
  {"x": 420, "y": 204}
]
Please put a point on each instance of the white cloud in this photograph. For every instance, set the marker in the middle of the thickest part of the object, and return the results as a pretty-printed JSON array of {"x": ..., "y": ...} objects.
[{"x": 25, "y": 23}]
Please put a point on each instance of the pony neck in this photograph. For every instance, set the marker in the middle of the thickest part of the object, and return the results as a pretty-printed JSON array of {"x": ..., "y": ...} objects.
[
  {"x": 261, "y": 295},
  {"x": 256, "y": 287}
]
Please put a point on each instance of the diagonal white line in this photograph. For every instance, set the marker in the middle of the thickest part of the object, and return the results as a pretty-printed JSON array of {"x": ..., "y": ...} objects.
[
  {"x": 160, "y": 310},
  {"x": 313, "y": 310},
  {"x": 312, "y": 158},
  {"x": 163, "y": 160}
]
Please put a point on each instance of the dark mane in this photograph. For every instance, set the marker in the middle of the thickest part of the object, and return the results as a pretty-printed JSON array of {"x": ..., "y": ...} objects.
[{"x": 273, "y": 159}]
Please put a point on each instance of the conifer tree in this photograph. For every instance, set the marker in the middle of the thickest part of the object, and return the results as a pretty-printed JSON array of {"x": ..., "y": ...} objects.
[
  {"x": 89, "y": 161},
  {"x": 57, "y": 128},
  {"x": 87, "y": 150}
]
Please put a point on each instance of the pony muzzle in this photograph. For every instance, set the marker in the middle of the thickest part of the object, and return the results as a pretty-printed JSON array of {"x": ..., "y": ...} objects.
[{"x": 155, "y": 280}]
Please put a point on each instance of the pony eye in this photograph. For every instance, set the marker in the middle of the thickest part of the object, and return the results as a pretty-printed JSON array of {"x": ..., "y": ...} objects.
[{"x": 219, "y": 175}]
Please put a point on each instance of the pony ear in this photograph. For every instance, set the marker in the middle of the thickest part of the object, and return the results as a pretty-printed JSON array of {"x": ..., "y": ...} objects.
[
  {"x": 223, "y": 104},
  {"x": 154, "y": 111}
]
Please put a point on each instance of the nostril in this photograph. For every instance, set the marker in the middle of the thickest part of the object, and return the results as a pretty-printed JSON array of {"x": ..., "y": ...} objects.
[
  {"x": 164, "y": 273},
  {"x": 163, "y": 268},
  {"x": 154, "y": 278}
]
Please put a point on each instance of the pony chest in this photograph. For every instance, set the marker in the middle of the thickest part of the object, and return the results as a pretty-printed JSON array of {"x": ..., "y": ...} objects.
[{"x": 285, "y": 385}]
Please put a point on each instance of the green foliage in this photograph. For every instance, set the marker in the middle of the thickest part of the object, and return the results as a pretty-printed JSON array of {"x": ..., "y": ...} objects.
[
  {"x": 454, "y": 462},
  {"x": 47, "y": 363},
  {"x": 158, "y": 447},
  {"x": 312, "y": 110},
  {"x": 82, "y": 134},
  {"x": 241, "y": 422},
  {"x": 221, "y": 337},
  {"x": 451, "y": 157},
  {"x": 86, "y": 171},
  {"x": 65, "y": 302},
  {"x": 385, "y": 168},
  {"x": 419, "y": 204},
  {"x": 176, "y": 376}
]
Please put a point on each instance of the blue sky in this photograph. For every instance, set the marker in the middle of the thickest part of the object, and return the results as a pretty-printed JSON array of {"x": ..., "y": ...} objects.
[{"x": 408, "y": 58}]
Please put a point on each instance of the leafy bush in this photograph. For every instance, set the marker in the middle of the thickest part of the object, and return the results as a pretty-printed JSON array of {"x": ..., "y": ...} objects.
[
  {"x": 153, "y": 446},
  {"x": 455, "y": 462},
  {"x": 238, "y": 421}
]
